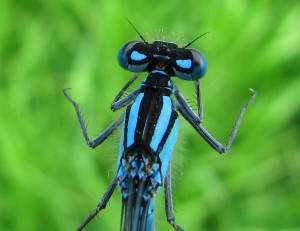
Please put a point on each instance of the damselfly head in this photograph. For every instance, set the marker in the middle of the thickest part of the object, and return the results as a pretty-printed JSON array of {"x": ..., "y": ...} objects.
[{"x": 187, "y": 64}]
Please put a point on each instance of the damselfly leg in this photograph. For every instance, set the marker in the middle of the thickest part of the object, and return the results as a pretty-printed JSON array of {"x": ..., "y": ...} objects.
[
  {"x": 206, "y": 135},
  {"x": 169, "y": 201},
  {"x": 199, "y": 100},
  {"x": 103, "y": 136},
  {"x": 102, "y": 203}
]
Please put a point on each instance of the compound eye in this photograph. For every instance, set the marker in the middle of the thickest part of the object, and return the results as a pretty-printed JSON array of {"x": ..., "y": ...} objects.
[
  {"x": 124, "y": 53},
  {"x": 189, "y": 64},
  {"x": 132, "y": 57},
  {"x": 200, "y": 64}
]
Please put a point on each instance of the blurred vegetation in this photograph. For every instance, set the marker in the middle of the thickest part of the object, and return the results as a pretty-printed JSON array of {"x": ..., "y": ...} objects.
[{"x": 50, "y": 179}]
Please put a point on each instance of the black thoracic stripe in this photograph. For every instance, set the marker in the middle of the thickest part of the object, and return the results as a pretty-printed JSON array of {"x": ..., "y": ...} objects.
[
  {"x": 153, "y": 113},
  {"x": 149, "y": 112},
  {"x": 142, "y": 117},
  {"x": 173, "y": 118}
]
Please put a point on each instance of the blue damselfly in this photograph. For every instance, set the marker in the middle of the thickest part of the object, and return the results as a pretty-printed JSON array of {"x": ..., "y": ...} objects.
[{"x": 150, "y": 127}]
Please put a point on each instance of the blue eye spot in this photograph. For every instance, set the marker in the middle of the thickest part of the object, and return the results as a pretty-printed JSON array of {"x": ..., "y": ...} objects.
[
  {"x": 137, "y": 56},
  {"x": 184, "y": 63}
]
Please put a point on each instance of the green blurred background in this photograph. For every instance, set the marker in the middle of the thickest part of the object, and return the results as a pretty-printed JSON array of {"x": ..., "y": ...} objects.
[{"x": 51, "y": 180}]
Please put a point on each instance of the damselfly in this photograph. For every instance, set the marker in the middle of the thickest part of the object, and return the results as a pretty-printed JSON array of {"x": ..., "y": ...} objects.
[{"x": 150, "y": 126}]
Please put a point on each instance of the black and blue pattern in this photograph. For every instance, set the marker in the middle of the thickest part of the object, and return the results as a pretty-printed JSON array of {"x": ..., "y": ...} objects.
[{"x": 150, "y": 127}]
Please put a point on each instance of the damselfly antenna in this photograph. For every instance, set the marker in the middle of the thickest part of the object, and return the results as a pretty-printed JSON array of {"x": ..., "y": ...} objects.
[
  {"x": 190, "y": 43},
  {"x": 136, "y": 31}
]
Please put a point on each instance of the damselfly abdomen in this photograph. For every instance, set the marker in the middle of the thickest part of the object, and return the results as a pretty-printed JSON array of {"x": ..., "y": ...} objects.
[{"x": 150, "y": 127}]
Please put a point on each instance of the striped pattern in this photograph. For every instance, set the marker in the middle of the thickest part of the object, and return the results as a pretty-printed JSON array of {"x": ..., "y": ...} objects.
[
  {"x": 150, "y": 130},
  {"x": 148, "y": 123}
]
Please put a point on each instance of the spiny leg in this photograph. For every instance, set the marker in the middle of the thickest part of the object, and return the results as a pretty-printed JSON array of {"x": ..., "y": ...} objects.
[
  {"x": 102, "y": 203},
  {"x": 199, "y": 100},
  {"x": 169, "y": 201},
  {"x": 239, "y": 119},
  {"x": 125, "y": 101},
  {"x": 185, "y": 105},
  {"x": 206, "y": 135},
  {"x": 120, "y": 103},
  {"x": 106, "y": 133},
  {"x": 120, "y": 94}
]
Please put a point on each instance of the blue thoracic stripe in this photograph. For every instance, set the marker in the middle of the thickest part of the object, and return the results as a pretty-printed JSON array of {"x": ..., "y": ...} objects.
[
  {"x": 162, "y": 123},
  {"x": 132, "y": 122},
  {"x": 166, "y": 153},
  {"x": 121, "y": 147}
]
